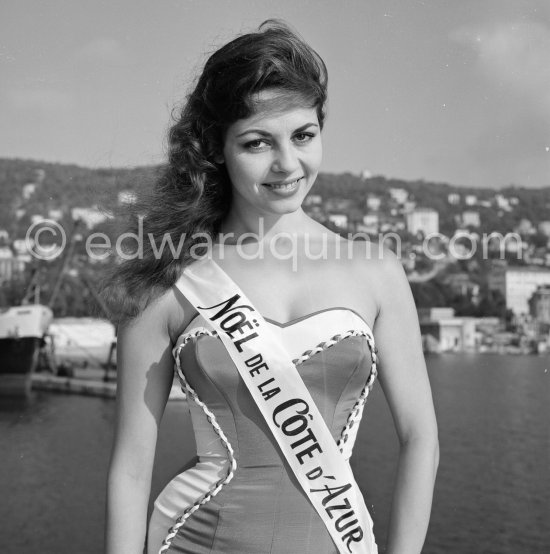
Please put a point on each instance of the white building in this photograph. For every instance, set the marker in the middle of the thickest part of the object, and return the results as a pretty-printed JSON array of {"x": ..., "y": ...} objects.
[
  {"x": 502, "y": 202},
  {"x": 28, "y": 190},
  {"x": 339, "y": 220},
  {"x": 37, "y": 218},
  {"x": 520, "y": 284},
  {"x": 6, "y": 263},
  {"x": 20, "y": 246},
  {"x": 453, "y": 198},
  {"x": 469, "y": 217},
  {"x": 399, "y": 195},
  {"x": 370, "y": 223},
  {"x": 373, "y": 202},
  {"x": 544, "y": 228},
  {"x": 10, "y": 264},
  {"x": 127, "y": 197},
  {"x": 425, "y": 220},
  {"x": 55, "y": 214},
  {"x": 470, "y": 199},
  {"x": 443, "y": 332},
  {"x": 90, "y": 216}
]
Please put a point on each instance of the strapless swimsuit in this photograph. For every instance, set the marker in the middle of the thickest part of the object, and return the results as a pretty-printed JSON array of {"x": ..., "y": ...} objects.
[{"x": 241, "y": 497}]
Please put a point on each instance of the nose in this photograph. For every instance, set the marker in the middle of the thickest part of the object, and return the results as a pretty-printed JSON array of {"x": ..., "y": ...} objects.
[{"x": 286, "y": 159}]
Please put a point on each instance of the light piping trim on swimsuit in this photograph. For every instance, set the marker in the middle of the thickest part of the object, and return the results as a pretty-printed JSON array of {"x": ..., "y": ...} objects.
[{"x": 354, "y": 417}]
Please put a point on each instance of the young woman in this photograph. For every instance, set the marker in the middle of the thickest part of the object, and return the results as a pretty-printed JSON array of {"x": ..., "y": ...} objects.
[{"x": 326, "y": 317}]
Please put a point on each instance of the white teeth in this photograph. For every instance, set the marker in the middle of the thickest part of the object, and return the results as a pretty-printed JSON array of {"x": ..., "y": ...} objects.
[{"x": 288, "y": 186}]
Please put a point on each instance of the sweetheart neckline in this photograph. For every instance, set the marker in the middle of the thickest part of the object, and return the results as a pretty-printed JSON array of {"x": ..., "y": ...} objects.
[
  {"x": 304, "y": 317},
  {"x": 291, "y": 322},
  {"x": 295, "y": 320}
]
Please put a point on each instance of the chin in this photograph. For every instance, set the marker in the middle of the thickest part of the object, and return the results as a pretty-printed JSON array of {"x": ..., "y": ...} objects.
[{"x": 286, "y": 207}]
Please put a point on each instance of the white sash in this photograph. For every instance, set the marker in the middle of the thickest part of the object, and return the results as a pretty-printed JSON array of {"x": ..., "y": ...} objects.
[{"x": 285, "y": 403}]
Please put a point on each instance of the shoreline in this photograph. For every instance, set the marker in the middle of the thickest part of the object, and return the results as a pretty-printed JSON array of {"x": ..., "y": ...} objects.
[{"x": 88, "y": 382}]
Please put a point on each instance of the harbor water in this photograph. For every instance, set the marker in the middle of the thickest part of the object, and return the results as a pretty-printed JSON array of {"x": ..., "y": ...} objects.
[{"x": 492, "y": 494}]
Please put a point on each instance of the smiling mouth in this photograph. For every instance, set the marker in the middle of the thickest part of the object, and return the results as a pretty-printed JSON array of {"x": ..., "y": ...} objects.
[{"x": 284, "y": 186}]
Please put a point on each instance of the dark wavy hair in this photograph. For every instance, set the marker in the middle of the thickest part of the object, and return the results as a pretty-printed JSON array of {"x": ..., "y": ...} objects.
[{"x": 192, "y": 194}]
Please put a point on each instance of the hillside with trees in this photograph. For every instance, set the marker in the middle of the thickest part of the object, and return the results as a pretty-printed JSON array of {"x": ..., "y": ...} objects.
[{"x": 62, "y": 187}]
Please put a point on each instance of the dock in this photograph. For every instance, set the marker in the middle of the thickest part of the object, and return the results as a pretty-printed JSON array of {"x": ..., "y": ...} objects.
[{"x": 87, "y": 382}]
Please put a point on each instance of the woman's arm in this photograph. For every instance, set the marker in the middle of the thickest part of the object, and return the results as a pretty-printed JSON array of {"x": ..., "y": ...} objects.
[
  {"x": 404, "y": 379},
  {"x": 144, "y": 378}
]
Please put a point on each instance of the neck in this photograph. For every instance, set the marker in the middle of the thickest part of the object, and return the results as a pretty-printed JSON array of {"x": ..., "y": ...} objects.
[{"x": 264, "y": 226}]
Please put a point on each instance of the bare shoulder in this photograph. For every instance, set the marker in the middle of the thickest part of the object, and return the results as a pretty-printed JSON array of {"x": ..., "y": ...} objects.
[
  {"x": 169, "y": 313},
  {"x": 379, "y": 268}
]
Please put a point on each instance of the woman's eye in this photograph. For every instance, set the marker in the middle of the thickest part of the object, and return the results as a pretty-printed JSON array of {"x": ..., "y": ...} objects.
[
  {"x": 303, "y": 137},
  {"x": 255, "y": 144}
]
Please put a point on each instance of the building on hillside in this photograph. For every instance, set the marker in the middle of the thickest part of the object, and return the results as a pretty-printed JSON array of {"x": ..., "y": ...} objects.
[
  {"x": 89, "y": 216},
  {"x": 127, "y": 197},
  {"x": 496, "y": 277},
  {"x": 539, "y": 304},
  {"x": 453, "y": 198},
  {"x": 373, "y": 202},
  {"x": 461, "y": 283},
  {"x": 425, "y": 220},
  {"x": 443, "y": 332},
  {"x": 339, "y": 220},
  {"x": 502, "y": 202},
  {"x": 518, "y": 284},
  {"x": 371, "y": 223},
  {"x": 55, "y": 213},
  {"x": 28, "y": 190},
  {"x": 11, "y": 264},
  {"x": 470, "y": 200},
  {"x": 470, "y": 218},
  {"x": 399, "y": 195},
  {"x": 544, "y": 228},
  {"x": 6, "y": 263}
]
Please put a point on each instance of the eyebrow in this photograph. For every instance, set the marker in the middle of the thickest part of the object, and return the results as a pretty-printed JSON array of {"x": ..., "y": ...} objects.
[{"x": 266, "y": 134}]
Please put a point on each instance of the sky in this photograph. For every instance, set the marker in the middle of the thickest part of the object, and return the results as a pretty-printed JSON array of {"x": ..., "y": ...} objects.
[{"x": 441, "y": 90}]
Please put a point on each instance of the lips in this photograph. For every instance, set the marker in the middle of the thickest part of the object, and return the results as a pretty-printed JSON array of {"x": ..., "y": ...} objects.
[{"x": 284, "y": 186}]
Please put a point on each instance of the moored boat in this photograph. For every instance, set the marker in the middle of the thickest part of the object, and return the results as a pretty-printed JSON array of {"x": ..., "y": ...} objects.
[{"x": 22, "y": 331}]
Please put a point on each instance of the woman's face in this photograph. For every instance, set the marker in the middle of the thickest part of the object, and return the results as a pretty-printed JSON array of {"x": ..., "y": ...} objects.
[{"x": 273, "y": 157}]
